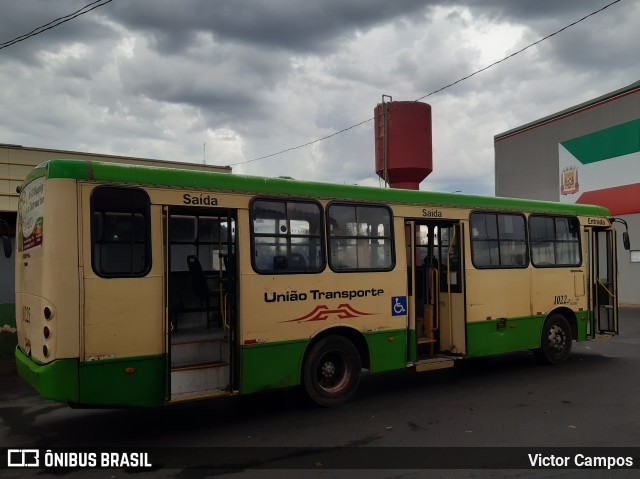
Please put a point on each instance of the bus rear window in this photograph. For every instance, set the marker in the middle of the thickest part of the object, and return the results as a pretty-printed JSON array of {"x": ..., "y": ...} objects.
[{"x": 120, "y": 232}]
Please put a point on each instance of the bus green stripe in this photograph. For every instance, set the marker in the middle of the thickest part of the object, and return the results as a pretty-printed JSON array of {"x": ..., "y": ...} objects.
[
  {"x": 57, "y": 380},
  {"x": 485, "y": 338},
  {"x": 387, "y": 349},
  {"x": 274, "y": 365},
  {"x": 132, "y": 381},
  {"x": 110, "y": 172},
  {"x": 271, "y": 365},
  {"x": 582, "y": 318}
]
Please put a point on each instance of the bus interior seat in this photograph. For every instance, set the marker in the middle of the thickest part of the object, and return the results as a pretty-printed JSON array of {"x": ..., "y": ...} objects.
[
  {"x": 201, "y": 285},
  {"x": 280, "y": 262},
  {"x": 298, "y": 261}
]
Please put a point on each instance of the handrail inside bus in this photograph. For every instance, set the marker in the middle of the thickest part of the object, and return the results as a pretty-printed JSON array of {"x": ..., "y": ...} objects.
[
  {"x": 451, "y": 242},
  {"x": 606, "y": 289},
  {"x": 435, "y": 279}
]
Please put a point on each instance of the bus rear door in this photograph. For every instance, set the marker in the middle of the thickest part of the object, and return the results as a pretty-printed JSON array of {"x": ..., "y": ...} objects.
[{"x": 201, "y": 297}]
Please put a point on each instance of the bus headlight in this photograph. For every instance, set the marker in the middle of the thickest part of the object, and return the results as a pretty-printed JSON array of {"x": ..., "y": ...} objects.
[
  {"x": 45, "y": 351},
  {"x": 47, "y": 332}
]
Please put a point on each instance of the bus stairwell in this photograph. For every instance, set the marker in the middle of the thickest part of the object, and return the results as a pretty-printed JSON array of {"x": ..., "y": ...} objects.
[
  {"x": 434, "y": 277},
  {"x": 201, "y": 302}
]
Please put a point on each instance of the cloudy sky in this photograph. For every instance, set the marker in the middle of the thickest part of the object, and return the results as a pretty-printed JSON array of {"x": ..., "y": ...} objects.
[{"x": 160, "y": 78}]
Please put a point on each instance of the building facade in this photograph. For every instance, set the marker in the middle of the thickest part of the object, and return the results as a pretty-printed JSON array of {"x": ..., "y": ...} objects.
[{"x": 589, "y": 153}]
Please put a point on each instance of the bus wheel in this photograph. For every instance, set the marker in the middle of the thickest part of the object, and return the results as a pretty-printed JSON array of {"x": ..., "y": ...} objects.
[
  {"x": 331, "y": 372},
  {"x": 556, "y": 340}
]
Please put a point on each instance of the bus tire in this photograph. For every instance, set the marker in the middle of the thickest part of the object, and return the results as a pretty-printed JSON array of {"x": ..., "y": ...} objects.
[
  {"x": 556, "y": 340},
  {"x": 331, "y": 371}
]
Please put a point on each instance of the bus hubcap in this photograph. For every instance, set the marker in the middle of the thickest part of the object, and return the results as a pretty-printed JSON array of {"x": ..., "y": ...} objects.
[
  {"x": 557, "y": 339},
  {"x": 333, "y": 372},
  {"x": 328, "y": 370}
]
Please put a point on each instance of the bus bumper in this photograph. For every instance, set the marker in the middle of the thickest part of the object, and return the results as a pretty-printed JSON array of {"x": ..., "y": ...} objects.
[{"x": 57, "y": 380}]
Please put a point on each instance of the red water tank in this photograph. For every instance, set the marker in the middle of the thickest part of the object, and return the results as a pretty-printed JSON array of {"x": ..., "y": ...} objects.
[{"x": 403, "y": 137}]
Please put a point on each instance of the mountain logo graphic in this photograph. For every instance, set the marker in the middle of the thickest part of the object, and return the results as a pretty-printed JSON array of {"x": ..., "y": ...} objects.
[{"x": 323, "y": 312}]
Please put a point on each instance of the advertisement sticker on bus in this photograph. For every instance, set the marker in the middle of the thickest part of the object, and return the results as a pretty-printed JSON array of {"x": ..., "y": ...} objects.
[{"x": 32, "y": 215}]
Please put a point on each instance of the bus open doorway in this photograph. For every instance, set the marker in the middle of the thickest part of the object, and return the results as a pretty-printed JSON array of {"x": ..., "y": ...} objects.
[
  {"x": 436, "y": 292},
  {"x": 201, "y": 287}
]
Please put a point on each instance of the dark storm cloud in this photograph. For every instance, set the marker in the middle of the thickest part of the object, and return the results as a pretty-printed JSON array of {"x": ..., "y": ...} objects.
[
  {"x": 611, "y": 46},
  {"x": 296, "y": 26},
  {"x": 229, "y": 84},
  {"x": 526, "y": 11},
  {"x": 158, "y": 78}
]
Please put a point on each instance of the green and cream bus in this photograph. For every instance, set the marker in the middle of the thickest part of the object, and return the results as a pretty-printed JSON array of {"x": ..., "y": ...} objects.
[{"x": 141, "y": 286}]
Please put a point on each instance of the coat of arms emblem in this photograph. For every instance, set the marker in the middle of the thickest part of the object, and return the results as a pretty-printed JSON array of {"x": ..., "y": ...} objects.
[{"x": 569, "y": 181}]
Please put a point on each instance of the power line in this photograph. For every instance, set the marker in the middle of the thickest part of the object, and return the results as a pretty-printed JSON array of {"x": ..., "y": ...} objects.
[
  {"x": 518, "y": 52},
  {"x": 306, "y": 144},
  {"x": 55, "y": 23},
  {"x": 435, "y": 91}
]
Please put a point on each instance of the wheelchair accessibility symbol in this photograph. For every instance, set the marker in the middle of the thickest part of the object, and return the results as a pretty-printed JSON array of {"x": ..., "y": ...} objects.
[{"x": 399, "y": 306}]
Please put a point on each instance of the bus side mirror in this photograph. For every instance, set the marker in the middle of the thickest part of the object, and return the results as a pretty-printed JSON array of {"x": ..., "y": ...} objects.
[
  {"x": 625, "y": 240},
  {"x": 625, "y": 234}
]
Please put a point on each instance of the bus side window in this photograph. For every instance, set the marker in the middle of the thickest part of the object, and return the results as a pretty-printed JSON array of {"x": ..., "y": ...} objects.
[
  {"x": 120, "y": 232},
  {"x": 498, "y": 240},
  {"x": 286, "y": 236},
  {"x": 360, "y": 237},
  {"x": 555, "y": 241}
]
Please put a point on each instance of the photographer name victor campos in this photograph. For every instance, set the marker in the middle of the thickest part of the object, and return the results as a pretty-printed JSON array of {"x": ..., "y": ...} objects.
[{"x": 579, "y": 460}]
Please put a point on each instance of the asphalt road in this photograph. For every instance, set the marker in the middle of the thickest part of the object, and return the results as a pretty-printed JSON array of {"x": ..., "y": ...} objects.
[{"x": 499, "y": 402}]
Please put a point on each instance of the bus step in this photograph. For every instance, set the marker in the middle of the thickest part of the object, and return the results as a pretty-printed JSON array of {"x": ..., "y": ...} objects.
[
  {"x": 190, "y": 367},
  {"x": 432, "y": 364},
  {"x": 426, "y": 341},
  {"x": 199, "y": 335},
  {"x": 201, "y": 352},
  {"x": 602, "y": 335},
  {"x": 194, "y": 381},
  {"x": 192, "y": 396}
]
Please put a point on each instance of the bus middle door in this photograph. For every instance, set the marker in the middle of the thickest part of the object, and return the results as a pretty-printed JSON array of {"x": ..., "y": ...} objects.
[{"x": 438, "y": 302}]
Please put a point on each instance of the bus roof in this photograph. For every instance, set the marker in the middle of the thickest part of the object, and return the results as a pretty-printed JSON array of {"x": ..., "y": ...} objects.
[{"x": 204, "y": 180}]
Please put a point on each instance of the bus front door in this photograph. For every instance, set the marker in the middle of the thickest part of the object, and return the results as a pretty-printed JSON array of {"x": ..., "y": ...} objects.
[
  {"x": 603, "y": 287},
  {"x": 437, "y": 302},
  {"x": 201, "y": 288}
]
